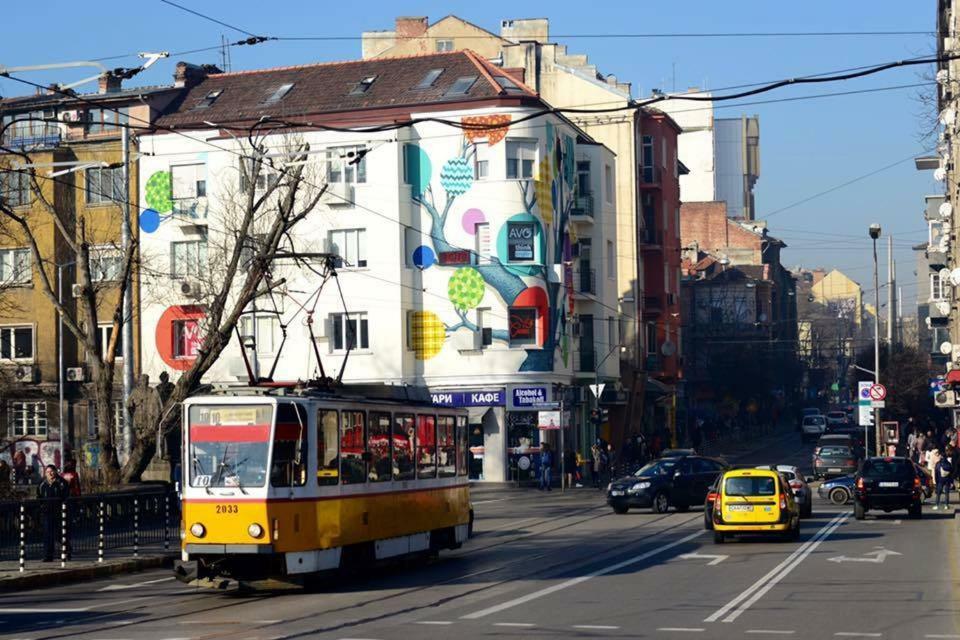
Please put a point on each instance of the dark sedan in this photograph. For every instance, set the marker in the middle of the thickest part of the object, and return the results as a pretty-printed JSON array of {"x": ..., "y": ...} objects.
[
  {"x": 677, "y": 482},
  {"x": 839, "y": 490}
]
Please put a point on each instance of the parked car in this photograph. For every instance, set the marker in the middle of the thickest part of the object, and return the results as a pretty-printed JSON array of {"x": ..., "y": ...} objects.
[
  {"x": 834, "y": 459},
  {"x": 812, "y": 427},
  {"x": 854, "y": 433},
  {"x": 836, "y": 417},
  {"x": 798, "y": 484},
  {"x": 755, "y": 501},
  {"x": 888, "y": 484},
  {"x": 665, "y": 482},
  {"x": 838, "y": 490},
  {"x": 677, "y": 453}
]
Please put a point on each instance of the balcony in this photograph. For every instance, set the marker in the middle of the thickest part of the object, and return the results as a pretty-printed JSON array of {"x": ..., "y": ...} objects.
[
  {"x": 47, "y": 138},
  {"x": 582, "y": 210},
  {"x": 191, "y": 208},
  {"x": 585, "y": 282},
  {"x": 936, "y": 257},
  {"x": 651, "y": 176},
  {"x": 651, "y": 239}
]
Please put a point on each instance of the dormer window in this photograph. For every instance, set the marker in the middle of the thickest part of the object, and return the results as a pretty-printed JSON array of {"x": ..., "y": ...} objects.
[
  {"x": 363, "y": 86},
  {"x": 209, "y": 99},
  {"x": 507, "y": 84},
  {"x": 461, "y": 86},
  {"x": 429, "y": 79},
  {"x": 279, "y": 93}
]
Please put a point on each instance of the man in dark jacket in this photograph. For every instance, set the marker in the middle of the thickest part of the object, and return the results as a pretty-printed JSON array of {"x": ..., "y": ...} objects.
[{"x": 52, "y": 491}]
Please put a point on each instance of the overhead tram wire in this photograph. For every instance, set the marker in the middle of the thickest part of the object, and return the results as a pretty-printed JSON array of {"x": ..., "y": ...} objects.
[
  {"x": 206, "y": 17},
  {"x": 638, "y": 36}
]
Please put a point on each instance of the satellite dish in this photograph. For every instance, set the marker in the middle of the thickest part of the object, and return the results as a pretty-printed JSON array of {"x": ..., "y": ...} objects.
[
  {"x": 946, "y": 348},
  {"x": 939, "y": 174},
  {"x": 955, "y": 277},
  {"x": 943, "y": 307},
  {"x": 948, "y": 116},
  {"x": 668, "y": 348},
  {"x": 945, "y": 210},
  {"x": 944, "y": 274},
  {"x": 943, "y": 76}
]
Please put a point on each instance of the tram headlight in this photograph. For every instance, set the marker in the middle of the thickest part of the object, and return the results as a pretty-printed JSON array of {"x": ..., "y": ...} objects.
[
  {"x": 198, "y": 530},
  {"x": 255, "y": 530}
]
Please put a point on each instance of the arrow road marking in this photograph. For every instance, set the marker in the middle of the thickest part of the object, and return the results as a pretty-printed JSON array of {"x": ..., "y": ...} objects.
[
  {"x": 876, "y": 557},
  {"x": 714, "y": 559},
  {"x": 120, "y": 587}
]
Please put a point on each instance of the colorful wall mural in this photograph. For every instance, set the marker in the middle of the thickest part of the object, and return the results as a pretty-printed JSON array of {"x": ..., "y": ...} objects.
[{"x": 520, "y": 267}]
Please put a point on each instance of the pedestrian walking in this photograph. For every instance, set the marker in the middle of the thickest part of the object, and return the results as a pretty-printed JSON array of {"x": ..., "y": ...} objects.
[
  {"x": 596, "y": 454},
  {"x": 578, "y": 477},
  {"x": 70, "y": 476},
  {"x": 943, "y": 476},
  {"x": 569, "y": 466},
  {"x": 546, "y": 465},
  {"x": 52, "y": 491}
]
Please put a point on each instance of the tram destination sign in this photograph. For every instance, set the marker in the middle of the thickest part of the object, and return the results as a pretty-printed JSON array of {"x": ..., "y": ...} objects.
[{"x": 469, "y": 398}]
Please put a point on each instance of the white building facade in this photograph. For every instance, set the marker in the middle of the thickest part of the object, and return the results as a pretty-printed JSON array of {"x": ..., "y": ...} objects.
[{"x": 472, "y": 262}]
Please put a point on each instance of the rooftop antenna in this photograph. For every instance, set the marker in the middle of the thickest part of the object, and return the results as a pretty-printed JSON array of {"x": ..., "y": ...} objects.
[{"x": 224, "y": 53}]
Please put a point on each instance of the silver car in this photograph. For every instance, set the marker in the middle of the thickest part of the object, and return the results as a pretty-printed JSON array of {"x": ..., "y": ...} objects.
[{"x": 798, "y": 484}]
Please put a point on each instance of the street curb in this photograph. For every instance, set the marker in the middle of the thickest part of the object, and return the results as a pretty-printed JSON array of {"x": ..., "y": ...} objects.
[{"x": 67, "y": 576}]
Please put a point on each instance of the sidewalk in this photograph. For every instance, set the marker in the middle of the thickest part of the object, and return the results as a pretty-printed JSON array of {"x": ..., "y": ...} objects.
[{"x": 116, "y": 561}]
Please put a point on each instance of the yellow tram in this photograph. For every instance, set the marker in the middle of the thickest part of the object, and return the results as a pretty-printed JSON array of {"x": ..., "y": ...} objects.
[{"x": 281, "y": 482}]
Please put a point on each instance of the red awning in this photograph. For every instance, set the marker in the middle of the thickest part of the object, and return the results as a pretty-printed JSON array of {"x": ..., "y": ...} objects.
[{"x": 953, "y": 376}]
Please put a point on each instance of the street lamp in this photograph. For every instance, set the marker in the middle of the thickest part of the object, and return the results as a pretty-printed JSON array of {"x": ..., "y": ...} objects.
[
  {"x": 875, "y": 235},
  {"x": 63, "y": 430}
]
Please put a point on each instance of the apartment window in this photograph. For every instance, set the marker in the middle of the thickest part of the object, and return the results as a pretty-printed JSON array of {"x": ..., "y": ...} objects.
[
  {"x": 938, "y": 288},
  {"x": 104, "y": 120},
  {"x": 347, "y": 165},
  {"x": 15, "y": 266},
  {"x": 265, "y": 179},
  {"x": 482, "y": 240},
  {"x": 189, "y": 181},
  {"x": 651, "y": 338},
  {"x": 16, "y": 343},
  {"x": 350, "y": 331},
  {"x": 188, "y": 258},
  {"x": 444, "y": 46},
  {"x": 611, "y": 260},
  {"x": 583, "y": 177},
  {"x": 350, "y": 245},
  {"x": 646, "y": 157},
  {"x": 104, "y": 333},
  {"x": 104, "y": 185},
  {"x": 267, "y": 333},
  {"x": 521, "y": 156},
  {"x": 608, "y": 183},
  {"x": 523, "y": 326},
  {"x": 15, "y": 188},
  {"x": 612, "y": 331},
  {"x": 27, "y": 418},
  {"x": 521, "y": 238},
  {"x": 186, "y": 339},
  {"x": 106, "y": 264},
  {"x": 484, "y": 336},
  {"x": 481, "y": 161},
  {"x": 94, "y": 421}
]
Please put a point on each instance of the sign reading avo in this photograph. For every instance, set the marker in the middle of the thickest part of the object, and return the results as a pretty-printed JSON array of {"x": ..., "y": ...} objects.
[{"x": 179, "y": 335}]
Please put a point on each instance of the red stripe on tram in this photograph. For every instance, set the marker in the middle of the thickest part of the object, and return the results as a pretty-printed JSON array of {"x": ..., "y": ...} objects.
[{"x": 231, "y": 433}]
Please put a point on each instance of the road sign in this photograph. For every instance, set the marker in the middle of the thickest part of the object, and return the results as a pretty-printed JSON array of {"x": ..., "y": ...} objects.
[
  {"x": 597, "y": 389},
  {"x": 878, "y": 404},
  {"x": 878, "y": 392},
  {"x": 863, "y": 391},
  {"x": 866, "y": 415},
  {"x": 875, "y": 557}
]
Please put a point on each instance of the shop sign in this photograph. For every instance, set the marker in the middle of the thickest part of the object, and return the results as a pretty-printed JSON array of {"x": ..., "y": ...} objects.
[
  {"x": 520, "y": 237},
  {"x": 469, "y": 398},
  {"x": 448, "y": 258},
  {"x": 528, "y": 397}
]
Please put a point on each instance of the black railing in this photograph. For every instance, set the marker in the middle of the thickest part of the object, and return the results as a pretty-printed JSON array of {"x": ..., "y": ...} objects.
[
  {"x": 585, "y": 281},
  {"x": 96, "y": 525},
  {"x": 583, "y": 205}
]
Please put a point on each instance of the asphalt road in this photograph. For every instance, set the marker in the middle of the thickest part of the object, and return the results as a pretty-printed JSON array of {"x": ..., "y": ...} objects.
[{"x": 564, "y": 566}]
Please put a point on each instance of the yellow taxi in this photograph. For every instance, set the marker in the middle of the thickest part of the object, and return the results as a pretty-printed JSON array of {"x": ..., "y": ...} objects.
[{"x": 754, "y": 501}]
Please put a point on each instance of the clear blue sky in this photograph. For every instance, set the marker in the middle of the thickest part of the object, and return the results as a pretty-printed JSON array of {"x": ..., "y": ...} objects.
[{"x": 807, "y": 146}]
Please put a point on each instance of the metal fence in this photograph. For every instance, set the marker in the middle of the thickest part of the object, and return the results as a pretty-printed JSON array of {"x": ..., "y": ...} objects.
[{"x": 92, "y": 526}]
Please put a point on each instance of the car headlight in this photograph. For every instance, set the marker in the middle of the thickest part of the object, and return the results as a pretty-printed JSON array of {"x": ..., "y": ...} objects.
[
  {"x": 255, "y": 530},
  {"x": 198, "y": 530},
  {"x": 639, "y": 486},
  {"x": 609, "y": 486}
]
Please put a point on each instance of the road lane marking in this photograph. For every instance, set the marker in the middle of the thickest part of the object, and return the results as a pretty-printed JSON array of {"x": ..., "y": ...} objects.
[
  {"x": 857, "y": 634},
  {"x": 714, "y": 559},
  {"x": 525, "y": 625},
  {"x": 822, "y": 535},
  {"x": 946, "y": 636},
  {"x": 722, "y": 611},
  {"x": 433, "y": 622},
  {"x": 44, "y": 610},
  {"x": 876, "y": 557},
  {"x": 682, "y": 629},
  {"x": 772, "y": 632},
  {"x": 488, "y": 501},
  {"x": 575, "y": 581},
  {"x": 118, "y": 587},
  {"x": 599, "y": 627}
]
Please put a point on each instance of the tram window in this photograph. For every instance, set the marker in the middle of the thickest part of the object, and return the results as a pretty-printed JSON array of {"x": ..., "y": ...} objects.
[
  {"x": 328, "y": 436},
  {"x": 378, "y": 444},
  {"x": 426, "y": 447},
  {"x": 461, "y": 446},
  {"x": 404, "y": 438},
  {"x": 289, "y": 468},
  {"x": 446, "y": 447},
  {"x": 353, "y": 469}
]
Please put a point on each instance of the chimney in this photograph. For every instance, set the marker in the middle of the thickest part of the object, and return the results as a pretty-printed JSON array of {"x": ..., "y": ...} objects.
[
  {"x": 411, "y": 27},
  {"x": 109, "y": 83},
  {"x": 190, "y": 75}
]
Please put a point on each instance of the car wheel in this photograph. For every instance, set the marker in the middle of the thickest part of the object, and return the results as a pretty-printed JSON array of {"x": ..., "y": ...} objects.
[
  {"x": 839, "y": 496},
  {"x": 916, "y": 511},
  {"x": 661, "y": 503},
  {"x": 707, "y": 522},
  {"x": 620, "y": 508},
  {"x": 719, "y": 538},
  {"x": 858, "y": 511}
]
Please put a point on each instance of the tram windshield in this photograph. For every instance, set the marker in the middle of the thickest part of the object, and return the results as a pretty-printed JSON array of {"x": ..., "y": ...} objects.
[{"x": 229, "y": 445}]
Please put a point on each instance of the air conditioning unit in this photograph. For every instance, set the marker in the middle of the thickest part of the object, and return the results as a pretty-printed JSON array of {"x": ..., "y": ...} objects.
[
  {"x": 945, "y": 398},
  {"x": 26, "y": 373},
  {"x": 49, "y": 113},
  {"x": 73, "y": 115},
  {"x": 190, "y": 289},
  {"x": 339, "y": 194},
  {"x": 75, "y": 374},
  {"x": 77, "y": 290}
]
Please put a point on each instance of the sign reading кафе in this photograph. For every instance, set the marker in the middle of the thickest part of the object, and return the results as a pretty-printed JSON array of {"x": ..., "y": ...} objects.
[{"x": 469, "y": 398}]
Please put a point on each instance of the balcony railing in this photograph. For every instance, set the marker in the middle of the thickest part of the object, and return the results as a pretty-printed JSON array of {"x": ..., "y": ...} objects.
[
  {"x": 585, "y": 281},
  {"x": 46, "y": 138},
  {"x": 194, "y": 208},
  {"x": 583, "y": 205}
]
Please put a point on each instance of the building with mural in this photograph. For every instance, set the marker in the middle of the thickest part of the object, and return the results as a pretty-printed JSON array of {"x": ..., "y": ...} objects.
[{"x": 469, "y": 260}]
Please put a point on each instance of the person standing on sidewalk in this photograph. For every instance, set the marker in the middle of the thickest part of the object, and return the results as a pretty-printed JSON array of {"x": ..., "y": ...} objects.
[
  {"x": 546, "y": 465},
  {"x": 943, "y": 476},
  {"x": 596, "y": 462},
  {"x": 52, "y": 491},
  {"x": 569, "y": 466}
]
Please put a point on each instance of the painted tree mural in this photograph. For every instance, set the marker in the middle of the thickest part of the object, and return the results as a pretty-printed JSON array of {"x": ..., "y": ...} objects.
[{"x": 547, "y": 202}]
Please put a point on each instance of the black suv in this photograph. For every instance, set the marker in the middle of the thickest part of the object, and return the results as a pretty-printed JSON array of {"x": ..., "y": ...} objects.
[
  {"x": 887, "y": 484},
  {"x": 678, "y": 482}
]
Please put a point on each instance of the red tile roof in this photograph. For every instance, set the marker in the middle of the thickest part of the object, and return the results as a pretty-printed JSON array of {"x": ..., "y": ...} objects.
[{"x": 325, "y": 88}]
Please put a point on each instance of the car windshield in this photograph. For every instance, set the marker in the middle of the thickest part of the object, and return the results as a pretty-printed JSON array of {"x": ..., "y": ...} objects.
[
  {"x": 886, "y": 467},
  {"x": 658, "y": 468},
  {"x": 789, "y": 475},
  {"x": 229, "y": 445},
  {"x": 750, "y": 486}
]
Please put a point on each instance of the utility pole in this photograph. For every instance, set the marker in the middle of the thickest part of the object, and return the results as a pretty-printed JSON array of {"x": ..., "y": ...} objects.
[
  {"x": 127, "y": 296},
  {"x": 874, "y": 235},
  {"x": 890, "y": 296}
]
